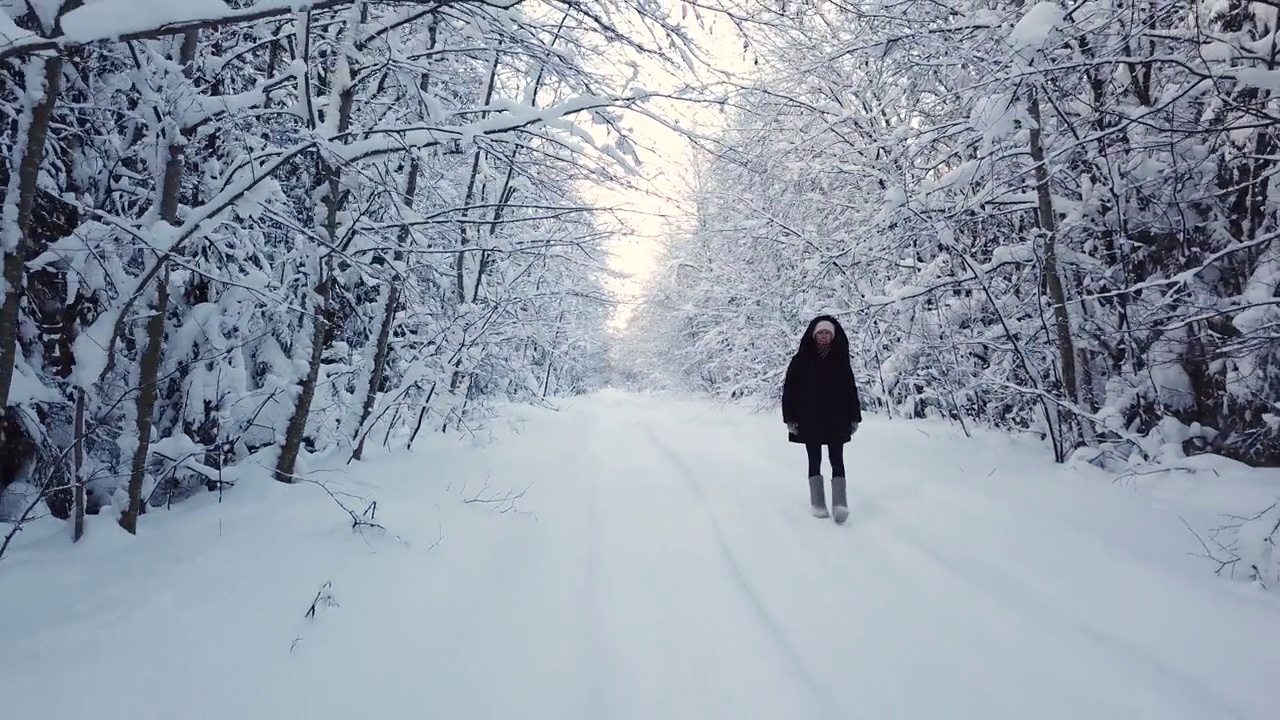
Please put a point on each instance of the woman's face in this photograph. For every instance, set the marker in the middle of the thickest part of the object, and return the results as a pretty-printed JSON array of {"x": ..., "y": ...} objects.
[{"x": 824, "y": 336}]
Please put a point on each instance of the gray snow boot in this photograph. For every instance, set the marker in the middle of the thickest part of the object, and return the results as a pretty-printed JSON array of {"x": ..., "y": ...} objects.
[
  {"x": 817, "y": 497},
  {"x": 839, "y": 500}
]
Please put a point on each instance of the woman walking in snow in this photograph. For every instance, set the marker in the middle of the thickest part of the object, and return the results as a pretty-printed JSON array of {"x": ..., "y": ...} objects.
[{"x": 820, "y": 407}]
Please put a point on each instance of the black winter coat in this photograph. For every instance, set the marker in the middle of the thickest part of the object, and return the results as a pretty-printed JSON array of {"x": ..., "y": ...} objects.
[{"x": 820, "y": 393}]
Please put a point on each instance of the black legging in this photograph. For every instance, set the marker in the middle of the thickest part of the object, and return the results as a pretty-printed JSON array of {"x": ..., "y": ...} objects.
[{"x": 835, "y": 451}]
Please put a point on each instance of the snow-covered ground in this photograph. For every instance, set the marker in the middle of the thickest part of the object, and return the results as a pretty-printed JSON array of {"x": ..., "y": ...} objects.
[{"x": 662, "y": 564}]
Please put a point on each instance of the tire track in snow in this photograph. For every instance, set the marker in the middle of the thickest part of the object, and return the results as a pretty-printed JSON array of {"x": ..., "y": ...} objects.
[
  {"x": 844, "y": 577},
  {"x": 841, "y": 580},
  {"x": 1013, "y": 595},
  {"x": 595, "y": 631},
  {"x": 1018, "y": 594},
  {"x": 1018, "y": 597},
  {"x": 826, "y": 699},
  {"x": 771, "y": 499},
  {"x": 1000, "y": 589}
]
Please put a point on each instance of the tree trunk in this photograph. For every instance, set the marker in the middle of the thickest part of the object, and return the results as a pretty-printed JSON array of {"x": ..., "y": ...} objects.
[
  {"x": 17, "y": 246},
  {"x": 341, "y": 98},
  {"x": 148, "y": 372},
  {"x": 546, "y": 379},
  {"x": 388, "y": 318},
  {"x": 422, "y": 414},
  {"x": 1049, "y": 259},
  {"x": 292, "y": 444},
  {"x": 471, "y": 197},
  {"x": 379, "y": 365},
  {"x": 77, "y": 528}
]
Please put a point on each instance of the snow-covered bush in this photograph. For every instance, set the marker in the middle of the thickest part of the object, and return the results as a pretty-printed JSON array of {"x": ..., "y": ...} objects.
[
  {"x": 264, "y": 229},
  {"x": 1255, "y": 544},
  {"x": 1020, "y": 221}
]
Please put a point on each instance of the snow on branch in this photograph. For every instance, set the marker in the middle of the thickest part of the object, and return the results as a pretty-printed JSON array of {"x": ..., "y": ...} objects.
[
  {"x": 1245, "y": 546},
  {"x": 499, "y": 501},
  {"x": 501, "y": 118},
  {"x": 120, "y": 20}
]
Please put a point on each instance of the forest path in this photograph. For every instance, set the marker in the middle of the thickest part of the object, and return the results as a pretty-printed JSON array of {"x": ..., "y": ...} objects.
[{"x": 663, "y": 564}]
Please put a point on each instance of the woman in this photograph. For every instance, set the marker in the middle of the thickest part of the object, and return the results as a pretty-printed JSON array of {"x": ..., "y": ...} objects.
[{"x": 820, "y": 407}]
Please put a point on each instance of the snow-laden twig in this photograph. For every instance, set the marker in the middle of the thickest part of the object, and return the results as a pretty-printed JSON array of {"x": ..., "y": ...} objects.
[
  {"x": 500, "y": 502},
  {"x": 1247, "y": 543},
  {"x": 358, "y": 520},
  {"x": 95, "y": 23}
]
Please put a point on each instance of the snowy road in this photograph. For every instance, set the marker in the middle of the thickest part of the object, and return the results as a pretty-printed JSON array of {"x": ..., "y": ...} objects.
[{"x": 668, "y": 568}]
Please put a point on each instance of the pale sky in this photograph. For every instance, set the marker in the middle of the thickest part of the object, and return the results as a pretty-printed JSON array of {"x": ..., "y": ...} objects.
[
  {"x": 634, "y": 252},
  {"x": 666, "y": 155}
]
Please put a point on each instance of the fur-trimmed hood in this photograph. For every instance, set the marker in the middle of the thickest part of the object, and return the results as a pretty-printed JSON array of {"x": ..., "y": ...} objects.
[{"x": 839, "y": 344}]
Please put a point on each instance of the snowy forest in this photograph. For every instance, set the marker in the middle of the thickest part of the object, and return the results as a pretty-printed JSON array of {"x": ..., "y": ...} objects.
[
  {"x": 426, "y": 358},
  {"x": 1055, "y": 218},
  {"x": 237, "y": 232}
]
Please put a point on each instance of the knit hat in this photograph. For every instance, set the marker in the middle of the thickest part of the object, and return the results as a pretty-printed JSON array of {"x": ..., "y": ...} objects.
[{"x": 824, "y": 325}]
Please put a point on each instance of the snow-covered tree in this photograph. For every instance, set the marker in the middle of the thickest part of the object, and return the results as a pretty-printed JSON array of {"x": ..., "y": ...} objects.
[
  {"x": 255, "y": 230},
  {"x": 1054, "y": 218}
]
